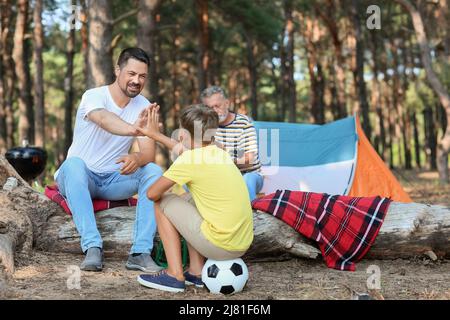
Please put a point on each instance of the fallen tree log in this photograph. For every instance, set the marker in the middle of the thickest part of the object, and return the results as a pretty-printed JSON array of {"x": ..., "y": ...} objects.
[
  {"x": 23, "y": 214},
  {"x": 29, "y": 220},
  {"x": 408, "y": 230},
  {"x": 274, "y": 240}
]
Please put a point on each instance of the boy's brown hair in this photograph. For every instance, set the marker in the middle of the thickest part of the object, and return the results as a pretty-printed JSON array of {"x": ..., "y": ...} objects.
[{"x": 204, "y": 117}]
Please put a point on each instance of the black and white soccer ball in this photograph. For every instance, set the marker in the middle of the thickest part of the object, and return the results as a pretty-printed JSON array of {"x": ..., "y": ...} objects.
[{"x": 226, "y": 277}]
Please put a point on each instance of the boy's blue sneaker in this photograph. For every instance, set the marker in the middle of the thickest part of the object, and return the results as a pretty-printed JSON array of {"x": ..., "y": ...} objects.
[
  {"x": 193, "y": 280},
  {"x": 161, "y": 281}
]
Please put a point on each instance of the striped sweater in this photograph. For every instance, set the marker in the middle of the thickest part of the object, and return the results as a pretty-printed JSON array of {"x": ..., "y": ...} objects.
[{"x": 238, "y": 138}]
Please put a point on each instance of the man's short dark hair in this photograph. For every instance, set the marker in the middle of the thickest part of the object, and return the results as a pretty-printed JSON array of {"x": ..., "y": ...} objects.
[
  {"x": 200, "y": 114},
  {"x": 132, "y": 53}
]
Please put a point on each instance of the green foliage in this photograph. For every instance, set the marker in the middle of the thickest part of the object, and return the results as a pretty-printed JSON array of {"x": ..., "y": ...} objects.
[{"x": 231, "y": 24}]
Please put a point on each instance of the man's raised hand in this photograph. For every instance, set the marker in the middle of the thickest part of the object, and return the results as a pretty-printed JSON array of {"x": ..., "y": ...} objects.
[
  {"x": 143, "y": 117},
  {"x": 152, "y": 127}
]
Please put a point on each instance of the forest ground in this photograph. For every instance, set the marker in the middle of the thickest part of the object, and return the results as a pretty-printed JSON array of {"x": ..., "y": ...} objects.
[{"x": 44, "y": 275}]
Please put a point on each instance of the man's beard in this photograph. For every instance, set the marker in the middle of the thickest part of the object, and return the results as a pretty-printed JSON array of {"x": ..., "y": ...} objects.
[
  {"x": 223, "y": 117},
  {"x": 132, "y": 94}
]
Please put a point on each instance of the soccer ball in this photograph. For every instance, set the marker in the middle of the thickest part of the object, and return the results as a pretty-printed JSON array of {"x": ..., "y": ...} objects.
[{"x": 226, "y": 277}]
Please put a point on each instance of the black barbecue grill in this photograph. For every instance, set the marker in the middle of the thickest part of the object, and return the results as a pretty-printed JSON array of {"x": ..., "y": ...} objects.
[{"x": 29, "y": 161}]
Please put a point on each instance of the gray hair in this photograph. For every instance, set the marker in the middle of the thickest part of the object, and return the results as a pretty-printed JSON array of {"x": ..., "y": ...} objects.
[{"x": 210, "y": 91}]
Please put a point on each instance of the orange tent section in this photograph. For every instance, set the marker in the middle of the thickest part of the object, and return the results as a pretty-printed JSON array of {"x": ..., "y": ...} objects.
[{"x": 372, "y": 176}]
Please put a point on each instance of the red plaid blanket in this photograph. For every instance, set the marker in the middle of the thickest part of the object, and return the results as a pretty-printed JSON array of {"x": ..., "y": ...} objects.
[
  {"x": 344, "y": 227},
  {"x": 52, "y": 192}
]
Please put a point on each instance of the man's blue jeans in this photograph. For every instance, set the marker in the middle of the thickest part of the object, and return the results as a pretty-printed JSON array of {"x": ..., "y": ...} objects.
[
  {"x": 254, "y": 182},
  {"x": 80, "y": 185}
]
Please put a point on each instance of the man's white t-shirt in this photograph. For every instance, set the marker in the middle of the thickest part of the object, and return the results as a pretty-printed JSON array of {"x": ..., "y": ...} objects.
[{"x": 98, "y": 148}]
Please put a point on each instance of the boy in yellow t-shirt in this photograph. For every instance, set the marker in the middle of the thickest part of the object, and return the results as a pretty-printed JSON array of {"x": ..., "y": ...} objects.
[{"x": 218, "y": 223}]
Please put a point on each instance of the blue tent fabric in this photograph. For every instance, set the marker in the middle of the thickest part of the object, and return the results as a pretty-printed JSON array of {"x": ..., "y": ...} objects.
[
  {"x": 308, "y": 157},
  {"x": 308, "y": 144}
]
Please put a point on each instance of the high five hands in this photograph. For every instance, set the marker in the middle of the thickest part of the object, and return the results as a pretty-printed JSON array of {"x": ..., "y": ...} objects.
[
  {"x": 143, "y": 118},
  {"x": 152, "y": 126},
  {"x": 144, "y": 126}
]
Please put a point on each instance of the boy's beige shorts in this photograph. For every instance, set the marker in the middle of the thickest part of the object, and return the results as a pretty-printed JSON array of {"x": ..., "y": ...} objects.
[{"x": 185, "y": 217}]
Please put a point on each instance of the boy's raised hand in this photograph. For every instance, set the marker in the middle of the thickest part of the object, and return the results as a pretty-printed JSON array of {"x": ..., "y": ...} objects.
[
  {"x": 142, "y": 119},
  {"x": 151, "y": 128}
]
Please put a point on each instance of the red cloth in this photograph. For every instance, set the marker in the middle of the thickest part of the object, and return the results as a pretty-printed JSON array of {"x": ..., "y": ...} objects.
[
  {"x": 344, "y": 227},
  {"x": 52, "y": 192}
]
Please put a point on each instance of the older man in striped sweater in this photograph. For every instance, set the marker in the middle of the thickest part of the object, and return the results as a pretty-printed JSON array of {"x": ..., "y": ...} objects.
[{"x": 238, "y": 136}]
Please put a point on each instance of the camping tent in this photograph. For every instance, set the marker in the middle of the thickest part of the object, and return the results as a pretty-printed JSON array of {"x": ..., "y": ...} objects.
[{"x": 334, "y": 158}]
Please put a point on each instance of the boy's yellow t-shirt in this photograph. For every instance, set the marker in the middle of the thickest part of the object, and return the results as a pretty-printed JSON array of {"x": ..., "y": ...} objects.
[{"x": 220, "y": 195}]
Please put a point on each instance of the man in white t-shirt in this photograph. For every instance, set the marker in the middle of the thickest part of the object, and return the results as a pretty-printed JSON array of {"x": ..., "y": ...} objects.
[{"x": 99, "y": 165}]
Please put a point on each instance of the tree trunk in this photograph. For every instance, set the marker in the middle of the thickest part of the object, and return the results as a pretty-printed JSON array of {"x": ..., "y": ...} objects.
[
  {"x": 68, "y": 85},
  {"x": 289, "y": 81},
  {"x": 380, "y": 134},
  {"x": 328, "y": 17},
  {"x": 3, "y": 21},
  {"x": 406, "y": 117},
  {"x": 2, "y": 109},
  {"x": 175, "y": 110},
  {"x": 406, "y": 133},
  {"x": 38, "y": 37},
  {"x": 100, "y": 69},
  {"x": 416, "y": 140},
  {"x": 283, "y": 77},
  {"x": 23, "y": 214},
  {"x": 391, "y": 125},
  {"x": 316, "y": 78},
  {"x": 8, "y": 69},
  {"x": 23, "y": 74},
  {"x": 84, "y": 34},
  {"x": 358, "y": 71},
  {"x": 146, "y": 39},
  {"x": 436, "y": 85},
  {"x": 253, "y": 73},
  {"x": 397, "y": 101},
  {"x": 430, "y": 138},
  {"x": 203, "y": 53},
  {"x": 162, "y": 91},
  {"x": 276, "y": 95}
]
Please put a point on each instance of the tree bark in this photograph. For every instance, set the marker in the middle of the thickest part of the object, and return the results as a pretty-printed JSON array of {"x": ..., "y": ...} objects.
[
  {"x": 84, "y": 34},
  {"x": 328, "y": 17},
  {"x": 358, "y": 71},
  {"x": 380, "y": 135},
  {"x": 406, "y": 116},
  {"x": 430, "y": 138},
  {"x": 176, "y": 92},
  {"x": 443, "y": 21},
  {"x": 436, "y": 85},
  {"x": 203, "y": 53},
  {"x": 68, "y": 85},
  {"x": 38, "y": 37},
  {"x": 100, "y": 70},
  {"x": 316, "y": 78},
  {"x": 417, "y": 146},
  {"x": 288, "y": 80},
  {"x": 391, "y": 125},
  {"x": 23, "y": 214},
  {"x": 146, "y": 39},
  {"x": 20, "y": 57},
  {"x": 3, "y": 26},
  {"x": 397, "y": 102},
  {"x": 253, "y": 73}
]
